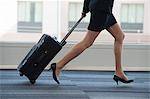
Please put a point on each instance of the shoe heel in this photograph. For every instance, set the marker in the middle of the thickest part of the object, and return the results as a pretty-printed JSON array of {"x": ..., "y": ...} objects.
[
  {"x": 116, "y": 80},
  {"x": 53, "y": 68}
]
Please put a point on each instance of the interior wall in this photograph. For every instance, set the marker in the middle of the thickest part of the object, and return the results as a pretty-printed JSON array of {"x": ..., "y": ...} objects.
[{"x": 97, "y": 57}]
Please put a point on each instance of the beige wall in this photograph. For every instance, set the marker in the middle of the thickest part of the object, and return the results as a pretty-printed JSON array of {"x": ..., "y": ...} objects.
[{"x": 99, "y": 57}]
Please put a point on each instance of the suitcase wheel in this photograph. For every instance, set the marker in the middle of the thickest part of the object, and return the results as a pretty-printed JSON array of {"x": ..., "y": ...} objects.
[
  {"x": 21, "y": 74},
  {"x": 32, "y": 81}
]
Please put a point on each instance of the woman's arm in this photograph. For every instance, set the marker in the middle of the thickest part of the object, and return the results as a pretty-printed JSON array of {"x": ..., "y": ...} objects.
[{"x": 86, "y": 6}]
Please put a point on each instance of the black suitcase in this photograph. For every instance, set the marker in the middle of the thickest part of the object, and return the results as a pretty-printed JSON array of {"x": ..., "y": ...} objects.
[{"x": 41, "y": 54}]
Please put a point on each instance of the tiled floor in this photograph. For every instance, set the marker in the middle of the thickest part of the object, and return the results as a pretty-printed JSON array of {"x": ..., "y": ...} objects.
[{"x": 74, "y": 85}]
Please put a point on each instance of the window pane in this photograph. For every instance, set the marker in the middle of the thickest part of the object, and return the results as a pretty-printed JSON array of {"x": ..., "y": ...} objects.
[
  {"x": 24, "y": 11},
  {"x": 30, "y": 17},
  {"x": 132, "y": 13},
  {"x": 79, "y": 10},
  {"x": 124, "y": 13},
  {"x": 140, "y": 14},
  {"x": 132, "y": 18},
  {"x": 87, "y": 18},
  {"x": 75, "y": 10},
  {"x": 38, "y": 12},
  {"x": 72, "y": 12}
]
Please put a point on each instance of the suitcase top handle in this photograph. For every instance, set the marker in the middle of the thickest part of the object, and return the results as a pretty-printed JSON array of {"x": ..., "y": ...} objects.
[{"x": 63, "y": 42}]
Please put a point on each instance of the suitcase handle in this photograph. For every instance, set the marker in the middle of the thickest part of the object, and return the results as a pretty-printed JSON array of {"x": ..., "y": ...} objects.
[{"x": 63, "y": 42}]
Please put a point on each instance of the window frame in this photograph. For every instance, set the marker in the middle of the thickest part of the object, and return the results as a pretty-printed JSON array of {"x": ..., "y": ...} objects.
[
  {"x": 82, "y": 27},
  {"x": 31, "y": 26},
  {"x": 131, "y": 27}
]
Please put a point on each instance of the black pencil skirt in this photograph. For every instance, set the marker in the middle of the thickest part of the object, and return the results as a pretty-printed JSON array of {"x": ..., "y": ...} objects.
[{"x": 100, "y": 21}]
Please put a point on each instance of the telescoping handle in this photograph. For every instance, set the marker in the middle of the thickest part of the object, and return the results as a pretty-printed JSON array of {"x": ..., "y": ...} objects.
[{"x": 63, "y": 42}]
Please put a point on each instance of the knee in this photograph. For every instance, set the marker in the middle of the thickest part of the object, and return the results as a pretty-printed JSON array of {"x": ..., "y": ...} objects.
[
  {"x": 120, "y": 38},
  {"x": 123, "y": 36}
]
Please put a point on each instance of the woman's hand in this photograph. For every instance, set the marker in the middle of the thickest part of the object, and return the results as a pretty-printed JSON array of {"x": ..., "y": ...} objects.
[{"x": 83, "y": 14}]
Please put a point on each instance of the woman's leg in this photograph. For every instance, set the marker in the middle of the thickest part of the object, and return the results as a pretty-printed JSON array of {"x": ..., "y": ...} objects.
[
  {"x": 117, "y": 33},
  {"x": 77, "y": 50}
]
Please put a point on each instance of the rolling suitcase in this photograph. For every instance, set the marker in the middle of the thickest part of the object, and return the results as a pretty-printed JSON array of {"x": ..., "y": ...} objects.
[{"x": 41, "y": 54}]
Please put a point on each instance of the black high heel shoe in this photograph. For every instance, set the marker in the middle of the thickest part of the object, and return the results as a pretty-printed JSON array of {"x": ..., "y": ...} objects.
[
  {"x": 53, "y": 68},
  {"x": 116, "y": 78}
]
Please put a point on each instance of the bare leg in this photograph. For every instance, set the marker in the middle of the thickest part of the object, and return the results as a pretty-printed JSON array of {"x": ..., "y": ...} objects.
[
  {"x": 77, "y": 50},
  {"x": 117, "y": 33}
]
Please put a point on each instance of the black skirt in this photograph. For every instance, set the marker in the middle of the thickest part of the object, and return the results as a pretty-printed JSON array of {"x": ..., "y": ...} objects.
[{"x": 100, "y": 21}]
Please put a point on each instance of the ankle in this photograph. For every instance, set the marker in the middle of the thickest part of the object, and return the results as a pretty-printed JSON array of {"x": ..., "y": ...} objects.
[
  {"x": 58, "y": 66},
  {"x": 120, "y": 73},
  {"x": 119, "y": 69}
]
